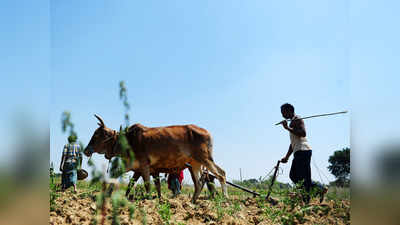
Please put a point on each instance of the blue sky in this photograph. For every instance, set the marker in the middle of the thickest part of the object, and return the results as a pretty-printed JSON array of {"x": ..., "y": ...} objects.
[
  {"x": 224, "y": 66},
  {"x": 374, "y": 69},
  {"x": 25, "y": 75}
]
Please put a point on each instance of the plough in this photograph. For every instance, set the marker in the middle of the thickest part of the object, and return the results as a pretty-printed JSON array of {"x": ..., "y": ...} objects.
[{"x": 255, "y": 194}]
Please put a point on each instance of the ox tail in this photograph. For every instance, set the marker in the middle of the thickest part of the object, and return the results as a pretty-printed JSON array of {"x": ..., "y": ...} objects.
[
  {"x": 210, "y": 156},
  {"x": 205, "y": 158},
  {"x": 204, "y": 137}
]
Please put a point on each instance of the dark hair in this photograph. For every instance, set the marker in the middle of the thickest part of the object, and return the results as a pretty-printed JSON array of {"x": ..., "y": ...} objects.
[
  {"x": 72, "y": 138},
  {"x": 288, "y": 107}
]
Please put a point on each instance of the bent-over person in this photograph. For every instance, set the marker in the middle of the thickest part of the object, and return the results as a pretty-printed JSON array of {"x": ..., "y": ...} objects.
[{"x": 175, "y": 182}]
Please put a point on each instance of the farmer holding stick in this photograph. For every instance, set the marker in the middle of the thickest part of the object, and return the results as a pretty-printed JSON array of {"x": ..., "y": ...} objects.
[{"x": 301, "y": 168}]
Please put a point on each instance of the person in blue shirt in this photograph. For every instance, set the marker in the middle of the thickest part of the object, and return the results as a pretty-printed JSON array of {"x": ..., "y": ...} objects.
[{"x": 70, "y": 161}]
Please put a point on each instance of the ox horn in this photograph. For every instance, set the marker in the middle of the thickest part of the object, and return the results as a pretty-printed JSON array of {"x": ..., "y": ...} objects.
[{"x": 100, "y": 119}]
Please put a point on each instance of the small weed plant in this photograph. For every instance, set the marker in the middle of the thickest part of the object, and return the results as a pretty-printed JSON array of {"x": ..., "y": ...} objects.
[{"x": 165, "y": 212}]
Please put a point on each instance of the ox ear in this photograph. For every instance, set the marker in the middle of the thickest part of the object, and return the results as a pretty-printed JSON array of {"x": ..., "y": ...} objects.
[{"x": 101, "y": 124}]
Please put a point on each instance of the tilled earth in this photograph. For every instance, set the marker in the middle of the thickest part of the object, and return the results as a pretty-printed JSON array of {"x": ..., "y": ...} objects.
[{"x": 78, "y": 208}]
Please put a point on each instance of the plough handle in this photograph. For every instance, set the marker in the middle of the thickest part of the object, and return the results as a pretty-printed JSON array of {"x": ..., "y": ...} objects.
[{"x": 273, "y": 179}]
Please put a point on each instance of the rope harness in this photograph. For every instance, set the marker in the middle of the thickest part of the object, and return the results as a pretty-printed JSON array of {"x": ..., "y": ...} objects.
[
  {"x": 280, "y": 171},
  {"x": 114, "y": 137},
  {"x": 319, "y": 172}
]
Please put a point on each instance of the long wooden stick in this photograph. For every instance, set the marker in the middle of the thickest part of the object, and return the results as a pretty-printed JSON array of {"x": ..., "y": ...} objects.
[
  {"x": 326, "y": 114},
  {"x": 234, "y": 185}
]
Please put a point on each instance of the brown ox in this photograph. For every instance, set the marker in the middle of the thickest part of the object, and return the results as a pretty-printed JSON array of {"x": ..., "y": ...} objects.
[{"x": 161, "y": 148}]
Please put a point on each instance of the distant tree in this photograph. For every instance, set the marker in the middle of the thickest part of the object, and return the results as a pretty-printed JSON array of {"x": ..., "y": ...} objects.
[
  {"x": 340, "y": 166},
  {"x": 251, "y": 181}
]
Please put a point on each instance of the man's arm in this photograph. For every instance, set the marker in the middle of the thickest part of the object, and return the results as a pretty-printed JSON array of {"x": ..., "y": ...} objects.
[
  {"x": 62, "y": 159},
  {"x": 62, "y": 162},
  {"x": 290, "y": 151},
  {"x": 297, "y": 128},
  {"x": 80, "y": 157}
]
